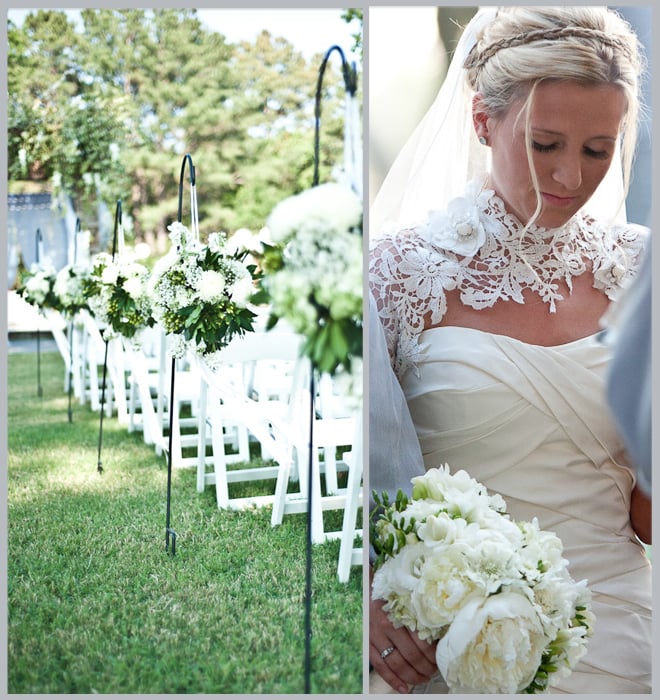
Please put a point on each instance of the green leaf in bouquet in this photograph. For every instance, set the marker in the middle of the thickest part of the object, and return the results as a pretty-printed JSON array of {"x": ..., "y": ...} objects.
[
  {"x": 193, "y": 314},
  {"x": 338, "y": 341}
]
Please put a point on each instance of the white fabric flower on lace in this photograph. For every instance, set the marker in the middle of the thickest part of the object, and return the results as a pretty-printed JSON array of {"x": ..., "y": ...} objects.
[{"x": 458, "y": 228}]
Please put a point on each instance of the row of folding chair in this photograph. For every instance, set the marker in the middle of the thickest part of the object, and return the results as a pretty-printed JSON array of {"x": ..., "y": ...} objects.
[
  {"x": 262, "y": 388},
  {"x": 256, "y": 403}
]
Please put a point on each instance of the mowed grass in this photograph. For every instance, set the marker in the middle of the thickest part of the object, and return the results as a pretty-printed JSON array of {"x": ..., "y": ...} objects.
[{"x": 95, "y": 603}]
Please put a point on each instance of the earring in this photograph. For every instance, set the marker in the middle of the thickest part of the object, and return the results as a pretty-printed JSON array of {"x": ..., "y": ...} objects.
[{"x": 483, "y": 140}]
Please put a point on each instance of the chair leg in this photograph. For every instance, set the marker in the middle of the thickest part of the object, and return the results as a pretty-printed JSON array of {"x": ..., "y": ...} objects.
[
  {"x": 348, "y": 531},
  {"x": 348, "y": 553},
  {"x": 201, "y": 438}
]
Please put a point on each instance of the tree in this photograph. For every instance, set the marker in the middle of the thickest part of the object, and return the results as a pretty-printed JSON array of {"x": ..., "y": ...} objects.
[
  {"x": 61, "y": 125},
  {"x": 114, "y": 107}
]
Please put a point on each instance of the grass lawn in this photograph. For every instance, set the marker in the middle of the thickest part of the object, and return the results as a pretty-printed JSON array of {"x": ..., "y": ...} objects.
[{"x": 95, "y": 603}]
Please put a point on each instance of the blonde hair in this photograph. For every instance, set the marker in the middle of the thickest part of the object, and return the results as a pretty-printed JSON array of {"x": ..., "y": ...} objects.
[{"x": 525, "y": 46}]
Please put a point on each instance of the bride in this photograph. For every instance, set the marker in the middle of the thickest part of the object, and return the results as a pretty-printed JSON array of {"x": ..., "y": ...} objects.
[{"x": 499, "y": 241}]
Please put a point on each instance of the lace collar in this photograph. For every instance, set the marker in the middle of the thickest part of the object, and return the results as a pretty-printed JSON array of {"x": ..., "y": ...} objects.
[
  {"x": 497, "y": 259},
  {"x": 477, "y": 247}
]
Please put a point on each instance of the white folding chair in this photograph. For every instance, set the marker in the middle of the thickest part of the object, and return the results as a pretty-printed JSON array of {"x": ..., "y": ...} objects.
[
  {"x": 349, "y": 553},
  {"x": 145, "y": 377},
  {"x": 149, "y": 405},
  {"x": 332, "y": 432},
  {"x": 251, "y": 394}
]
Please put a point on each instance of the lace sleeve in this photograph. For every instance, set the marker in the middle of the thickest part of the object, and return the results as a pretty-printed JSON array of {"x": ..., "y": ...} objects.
[
  {"x": 408, "y": 279},
  {"x": 622, "y": 258}
]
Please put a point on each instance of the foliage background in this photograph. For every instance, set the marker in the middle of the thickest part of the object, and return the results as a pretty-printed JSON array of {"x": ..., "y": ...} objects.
[{"x": 109, "y": 110}]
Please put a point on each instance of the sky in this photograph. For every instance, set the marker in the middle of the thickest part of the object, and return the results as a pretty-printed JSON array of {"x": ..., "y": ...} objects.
[{"x": 311, "y": 31}]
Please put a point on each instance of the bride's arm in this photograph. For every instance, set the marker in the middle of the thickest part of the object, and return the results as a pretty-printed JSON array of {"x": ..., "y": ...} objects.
[{"x": 640, "y": 515}]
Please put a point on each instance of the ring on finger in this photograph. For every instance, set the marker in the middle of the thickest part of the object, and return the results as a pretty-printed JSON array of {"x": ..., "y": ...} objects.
[{"x": 386, "y": 652}]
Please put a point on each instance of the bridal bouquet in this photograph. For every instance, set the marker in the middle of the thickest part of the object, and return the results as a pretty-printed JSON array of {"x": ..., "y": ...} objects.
[
  {"x": 312, "y": 272},
  {"x": 200, "y": 294},
  {"x": 117, "y": 295},
  {"x": 496, "y": 593},
  {"x": 37, "y": 287}
]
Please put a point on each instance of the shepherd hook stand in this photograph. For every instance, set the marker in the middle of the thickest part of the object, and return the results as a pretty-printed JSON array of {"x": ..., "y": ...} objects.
[
  {"x": 99, "y": 465},
  {"x": 70, "y": 329},
  {"x": 170, "y": 534},
  {"x": 40, "y": 391},
  {"x": 350, "y": 84}
]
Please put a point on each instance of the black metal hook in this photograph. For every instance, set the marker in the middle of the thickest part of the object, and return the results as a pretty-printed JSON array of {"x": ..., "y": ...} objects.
[
  {"x": 118, "y": 217},
  {"x": 170, "y": 534},
  {"x": 186, "y": 159},
  {"x": 38, "y": 241},
  {"x": 76, "y": 231},
  {"x": 99, "y": 464},
  {"x": 349, "y": 72}
]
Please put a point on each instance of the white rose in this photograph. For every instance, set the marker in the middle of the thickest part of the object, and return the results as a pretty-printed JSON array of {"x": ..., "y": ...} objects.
[{"x": 493, "y": 646}]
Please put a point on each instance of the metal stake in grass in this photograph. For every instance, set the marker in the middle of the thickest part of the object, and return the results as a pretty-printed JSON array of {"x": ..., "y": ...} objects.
[
  {"x": 117, "y": 230},
  {"x": 70, "y": 381},
  {"x": 350, "y": 84},
  {"x": 170, "y": 534},
  {"x": 38, "y": 243}
]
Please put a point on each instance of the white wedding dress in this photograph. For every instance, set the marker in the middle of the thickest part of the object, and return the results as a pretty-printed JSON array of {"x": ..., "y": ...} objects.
[{"x": 529, "y": 422}]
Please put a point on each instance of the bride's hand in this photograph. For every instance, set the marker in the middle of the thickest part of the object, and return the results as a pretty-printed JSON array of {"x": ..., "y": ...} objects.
[{"x": 412, "y": 661}]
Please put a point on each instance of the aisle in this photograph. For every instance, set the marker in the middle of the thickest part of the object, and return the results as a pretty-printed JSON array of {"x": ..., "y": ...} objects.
[{"x": 95, "y": 604}]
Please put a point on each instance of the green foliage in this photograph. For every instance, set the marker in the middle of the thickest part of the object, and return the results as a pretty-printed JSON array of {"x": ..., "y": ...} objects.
[
  {"x": 355, "y": 14},
  {"x": 383, "y": 519},
  {"x": 95, "y": 605},
  {"x": 110, "y": 109}
]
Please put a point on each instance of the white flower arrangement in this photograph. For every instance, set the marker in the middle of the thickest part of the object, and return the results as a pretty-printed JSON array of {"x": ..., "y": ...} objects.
[
  {"x": 200, "y": 294},
  {"x": 69, "y": 288},
  {"x": 37, "y": 286},
  {"x": 312, "y": 272},
  {"x": 496, "y": 593},
  {"x": 117, "y": 296}
]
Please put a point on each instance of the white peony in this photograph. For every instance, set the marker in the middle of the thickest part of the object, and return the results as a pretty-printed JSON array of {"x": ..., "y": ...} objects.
[
  {"x": 492, "y": 646},
  {"x": 442, "y": 591},
  {"x": 395, "y": 581},
  {"x": 38, "y": 287}
]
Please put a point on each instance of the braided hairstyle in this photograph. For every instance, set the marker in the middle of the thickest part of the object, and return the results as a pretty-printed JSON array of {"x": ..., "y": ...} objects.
[{"x": 525, "y": 46}]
